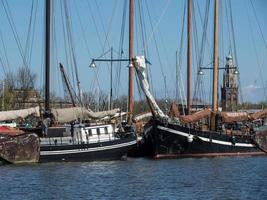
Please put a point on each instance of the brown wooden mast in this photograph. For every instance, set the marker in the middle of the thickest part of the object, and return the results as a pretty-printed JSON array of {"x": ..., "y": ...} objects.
[
  {"x": 65, "y": 79},
  {"x": 130, "y": 92},
  {"x": 188, "y": 56},
  {"x": 47, "y": 55},
  {"x": 215, "y": 65}
]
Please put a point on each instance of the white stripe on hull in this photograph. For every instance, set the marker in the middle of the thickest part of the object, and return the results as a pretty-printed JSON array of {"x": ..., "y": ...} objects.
[
  {"x": 205, "y": 139},
  {"x": 73, "y": 151}
]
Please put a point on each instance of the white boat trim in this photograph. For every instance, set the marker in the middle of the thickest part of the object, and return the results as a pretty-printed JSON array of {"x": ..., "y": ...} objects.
[
  {"x": 205, "y": 139},
  {"x": 73, "y": 151},
  {"x": 148, "y": 129}
]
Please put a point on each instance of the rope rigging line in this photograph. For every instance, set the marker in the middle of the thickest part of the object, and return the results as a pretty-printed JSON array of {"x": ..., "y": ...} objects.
[
  {"x": 27, "y": 46},
  {"x": 55, "y": 56},
  {"x": 144, "y": 39},
  {"x": 30, "y": 37},
  {"x": 154, "y": 38},
  {"x": 14, "y": 31},
  {"x": 199, "y": 83},
  {"x": 98, "y": 36},
  {"x": 181, "y": 89},
  {"x": 121, "y": 52},
  {"x": 257, "y": 57},
  {"x": 5, "y": 55},
  {"x": 96, "y": 72},
  {"x": 66, "y": 43},
  {"x": 3, "y": 65},
  {"x": 258, "y": 23},
  {"x": 94, "y": 22},
  {"x": 195, "y": 40},
  {"x": 140, "y": 31},
  {"x": 106, "y": 34},
  {"x": 152, "y": 35},
  {"x": 235, "y": 51},
  {"x": 33, "y": 34},
  {"x": 72, "y": 47},
  {"x": 83, "y": 31},
  {"x": 233, "y": 32}
]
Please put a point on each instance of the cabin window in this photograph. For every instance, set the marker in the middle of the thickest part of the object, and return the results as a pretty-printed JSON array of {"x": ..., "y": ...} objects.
[
  {"x": 98, "y": 131},
  {"x": 106, "y": 130},
  {"x": 90, "y": 132}
]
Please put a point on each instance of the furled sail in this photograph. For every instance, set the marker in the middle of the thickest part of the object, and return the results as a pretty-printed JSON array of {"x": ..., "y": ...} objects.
[
  {"x": 64, "y": 115},
  {"x": 140, "y": 67},
  {"x": 142, "y": 116},
  {"x": 16, "y": 114},
  {"x": 195, "y": 116},
  {"x": 230, "y": 117},
  {"x": 258, "y": 114}
]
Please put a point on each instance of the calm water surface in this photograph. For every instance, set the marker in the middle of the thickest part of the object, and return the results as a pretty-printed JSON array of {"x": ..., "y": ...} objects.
[{"x": 205, "y": 178}]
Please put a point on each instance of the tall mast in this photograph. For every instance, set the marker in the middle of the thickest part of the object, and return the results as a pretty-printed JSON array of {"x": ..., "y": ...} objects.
[
  {"x": 47, "y": 54},
  {"x": 130, "y": 92},
  {"x": 215, "y": 65},
  {"x": 188, "y": 56}
]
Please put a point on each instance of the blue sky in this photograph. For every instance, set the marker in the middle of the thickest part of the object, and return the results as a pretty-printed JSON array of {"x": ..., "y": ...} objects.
[{"x": 96, "y": 26}]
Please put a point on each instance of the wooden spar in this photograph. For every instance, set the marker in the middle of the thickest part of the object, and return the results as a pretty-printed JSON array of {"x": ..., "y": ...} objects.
[
  {"x": 64, "y": 76},
  {"x": 188, "y": 56},
  {"x": 215, "y": 65},
  {"x": 130, "y": 89},
  {"x": 47, "y": 54},
  {"x": 111, "y": 81}
]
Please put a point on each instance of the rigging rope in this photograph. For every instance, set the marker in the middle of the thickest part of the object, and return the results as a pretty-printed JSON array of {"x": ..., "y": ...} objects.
[
  {"x": 83, "y": 31},
  {"x": 257, "y": 58},
  {"x": 258, "y": 23},
  {"x": 144, "y": 39},
  {"x": 72, "y": 47},
  {"x": 199, "y": 83},
  {"x": 154, "y": 37},
  {"x": 5, "y": 55},
  {"x": 181, "y": 89},
  {"x": 121, "y": 52},
  {"x": 14, "y": 31}
]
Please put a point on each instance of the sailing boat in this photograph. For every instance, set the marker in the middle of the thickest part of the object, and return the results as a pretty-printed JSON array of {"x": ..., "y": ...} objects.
[
  {"x": 79, "y": 141},
  {"x": 72, "y": 142},
  {"x": 174, "y": 137},
  {"x": 17, "y": 146}
]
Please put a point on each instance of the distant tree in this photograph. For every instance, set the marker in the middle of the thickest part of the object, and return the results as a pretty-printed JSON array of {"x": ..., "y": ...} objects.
[
  {"x": 6, "y": 99},
  {"x": 89, "y": 100},
  {"x": 18, "y": 88},
  {"x": 121, "y": 102},
  {"x": 25, "y": 81}
]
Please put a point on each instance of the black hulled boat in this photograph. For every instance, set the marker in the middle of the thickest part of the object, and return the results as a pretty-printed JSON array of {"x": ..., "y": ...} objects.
[
  {"x": 170, "y": 139},
  {"x": 181, "y": 136},
  {"x": 80, "y": 142}
]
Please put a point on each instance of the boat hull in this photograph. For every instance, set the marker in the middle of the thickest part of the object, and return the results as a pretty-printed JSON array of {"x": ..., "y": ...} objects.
[
  {"x": 171, "y": 140},
  {"x": 23, "y": 148},
  {"x": 111, "y": 150}
]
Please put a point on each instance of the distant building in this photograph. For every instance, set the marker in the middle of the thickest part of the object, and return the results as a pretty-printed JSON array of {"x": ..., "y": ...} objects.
[
  {"x": 229, "y": 89},
  {"x": 25, "y": 98}
]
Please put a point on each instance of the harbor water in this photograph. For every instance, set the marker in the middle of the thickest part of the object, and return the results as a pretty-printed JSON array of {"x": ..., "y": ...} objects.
[{"x": 139, "y": 178}]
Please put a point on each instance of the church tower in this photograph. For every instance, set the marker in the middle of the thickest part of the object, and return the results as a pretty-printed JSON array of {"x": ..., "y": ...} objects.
[{"x": 229, "y": 89}]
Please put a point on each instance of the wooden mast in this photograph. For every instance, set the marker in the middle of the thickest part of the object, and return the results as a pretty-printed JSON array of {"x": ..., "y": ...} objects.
[
  {"x": 65, "y": 79},
  {"x": 215, "y": 65},
  {"x": 130, "y": 89},
  {"x": 47, "y": 55},
  {"x": 188, "y": 56}
]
